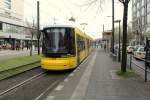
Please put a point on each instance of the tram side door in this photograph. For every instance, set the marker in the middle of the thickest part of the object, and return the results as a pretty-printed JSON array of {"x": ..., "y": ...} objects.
[{"x": 78, "y": 50}]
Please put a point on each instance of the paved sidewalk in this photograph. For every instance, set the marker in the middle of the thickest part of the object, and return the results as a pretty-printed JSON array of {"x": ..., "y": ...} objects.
[
  {"x": 94, "y": 80},
  {"x": 104, "y": 86}
]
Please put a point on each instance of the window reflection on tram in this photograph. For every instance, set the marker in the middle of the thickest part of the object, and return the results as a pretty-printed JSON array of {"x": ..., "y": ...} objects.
[{"x": 57, "y": 41}]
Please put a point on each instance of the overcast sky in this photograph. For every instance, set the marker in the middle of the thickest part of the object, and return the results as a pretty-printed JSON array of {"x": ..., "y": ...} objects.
[{"x": 60, "y": 11}]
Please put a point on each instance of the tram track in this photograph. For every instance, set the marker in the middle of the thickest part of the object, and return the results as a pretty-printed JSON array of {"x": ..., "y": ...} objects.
[
  {"x": 22, "y": 83},
  {"x": 33, "y": 87}
]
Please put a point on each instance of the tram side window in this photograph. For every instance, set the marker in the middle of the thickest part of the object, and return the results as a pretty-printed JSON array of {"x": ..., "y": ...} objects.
[
  {"x": 81, "y": 43},
  {"x": 72, "y": 41}
]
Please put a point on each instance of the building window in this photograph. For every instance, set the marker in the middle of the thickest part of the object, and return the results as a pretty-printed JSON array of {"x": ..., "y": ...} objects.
[
  {"x": 148, "y": 18},
  {"x": 1, "y": 26},
  {"x": 138, "y": 5},
  {"x": 143, "y": 2},
  {"x": 148, "y": 7},
  {"x": 143, "y": 22},
  {"x": 8, "y": 4},
  {"x": 142, "y": 11}
]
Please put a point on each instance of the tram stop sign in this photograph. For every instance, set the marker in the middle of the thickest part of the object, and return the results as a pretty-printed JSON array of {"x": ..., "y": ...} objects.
[{"x": 147, "y": 49}]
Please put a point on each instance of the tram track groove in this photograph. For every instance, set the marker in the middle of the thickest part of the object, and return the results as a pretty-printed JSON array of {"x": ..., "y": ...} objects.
[{"x": 22, "y": 83}]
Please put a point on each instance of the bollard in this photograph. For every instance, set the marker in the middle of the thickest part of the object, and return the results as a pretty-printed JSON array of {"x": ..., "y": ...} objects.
[{"x": 130, "y": 61}]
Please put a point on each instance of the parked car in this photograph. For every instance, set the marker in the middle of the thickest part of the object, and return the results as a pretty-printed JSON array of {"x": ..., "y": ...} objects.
[
  {"x": 136, "y": 47},
  {"x": 130, "y": 49},
  {"x": 140, "y": 53}
]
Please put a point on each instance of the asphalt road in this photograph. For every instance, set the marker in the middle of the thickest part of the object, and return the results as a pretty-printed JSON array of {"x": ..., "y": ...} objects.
[{"x": 32, "y": 89}]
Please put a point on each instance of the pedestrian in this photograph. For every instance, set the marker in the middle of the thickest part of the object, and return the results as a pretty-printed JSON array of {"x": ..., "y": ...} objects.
[
  {"x": 16, "y": 46},
  {"x": 105, "y": 47},
  {"x": 22, "y": 47}
]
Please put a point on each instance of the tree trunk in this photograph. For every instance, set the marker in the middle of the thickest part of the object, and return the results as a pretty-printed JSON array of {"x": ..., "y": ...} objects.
[
  {"x": 31, "y": 49},
  {"x": 124, "y": 41}
]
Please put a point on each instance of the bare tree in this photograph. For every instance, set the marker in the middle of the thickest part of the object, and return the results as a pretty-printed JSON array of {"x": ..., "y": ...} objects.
[
  {"x": 93, "y": 3},
  {"x": 141, "y": 30},
  {"x": 33, "y": 31},
  {"x": 124, "y": 41},
  {"x": 125, "y": 18}
]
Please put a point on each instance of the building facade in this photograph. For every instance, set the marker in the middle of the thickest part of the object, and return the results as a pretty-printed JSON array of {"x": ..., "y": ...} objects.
[
  {"x": 107, "y": 35},
  {"x": 141, "y": 20},
  {"x": 12, "y": 30},
  {"x": 12, "y": 11}
]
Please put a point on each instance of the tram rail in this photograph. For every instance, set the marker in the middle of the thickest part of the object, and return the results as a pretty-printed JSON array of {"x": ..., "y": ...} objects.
[{"x": 22, "y": 83}]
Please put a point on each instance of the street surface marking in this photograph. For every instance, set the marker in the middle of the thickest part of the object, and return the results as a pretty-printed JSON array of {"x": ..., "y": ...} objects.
[
  {"x": 72, "y": 74},
  {"x": 74, "y": 70},
  {"x": 81, "y": 88},
  {"x": 78, "y": 68},
  {"x": 66, "y": 80},
  {"x": 38, "y": 98},
  {"x": 50, "y": 98},
  {"x": 59, "y": 87},
  {"x": 114, "y": 75}
]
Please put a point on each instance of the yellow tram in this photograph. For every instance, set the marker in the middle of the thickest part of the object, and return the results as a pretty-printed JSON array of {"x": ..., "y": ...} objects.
[{"x": 64, "y": 47}]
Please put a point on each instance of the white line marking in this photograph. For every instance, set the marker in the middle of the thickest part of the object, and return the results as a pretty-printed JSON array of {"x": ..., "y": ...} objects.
[
  {"x": 78, "y": 68},
  {"x": 66, "y": 80},
  {"x": 81, "y": 88},
  {"x": 59, "y": 87},
  {"x": 72, "y": 74},
  {"x": 38, "y": 98},
  {"x": 74, "y": 70},
  {"x": 50, "y": 98}
]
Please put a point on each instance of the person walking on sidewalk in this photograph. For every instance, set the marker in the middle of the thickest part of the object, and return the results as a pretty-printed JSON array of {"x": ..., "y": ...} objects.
[{"x": 105, "y": 47}]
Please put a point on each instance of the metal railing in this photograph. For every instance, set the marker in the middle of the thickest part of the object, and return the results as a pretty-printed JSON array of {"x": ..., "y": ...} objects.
[{"x": 145, "y": 68}]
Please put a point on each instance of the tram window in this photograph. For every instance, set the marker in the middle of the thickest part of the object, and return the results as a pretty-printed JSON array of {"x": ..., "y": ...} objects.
[
  {"x": 72, "y": 41},
  {"x": 81, "y": 43}
]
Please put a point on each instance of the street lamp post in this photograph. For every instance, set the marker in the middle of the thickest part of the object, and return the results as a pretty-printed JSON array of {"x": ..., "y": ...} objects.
[
  {"x": 83, "y": 24},
  {"x": 118, "y": 21},
  {"x": 112, "y": 26}
]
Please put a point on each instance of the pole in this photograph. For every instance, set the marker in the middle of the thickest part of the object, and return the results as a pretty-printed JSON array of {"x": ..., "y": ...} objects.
[
  {"x": 112, "y": 26},
  {"x": 146, "y": 63},
  {"x": 130, "y": 61},
  {"x": 38, "y": 27},
  {"x": 119, "y": 44}
]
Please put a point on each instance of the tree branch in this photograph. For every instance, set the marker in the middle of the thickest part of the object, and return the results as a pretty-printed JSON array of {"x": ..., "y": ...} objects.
[
  {"x": 91, "y": 3},
  {"x": 122, "y": 1}
]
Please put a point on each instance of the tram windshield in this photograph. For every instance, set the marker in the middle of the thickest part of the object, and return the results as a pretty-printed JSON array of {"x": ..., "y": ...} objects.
[{"x": 58, "y": 40}]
